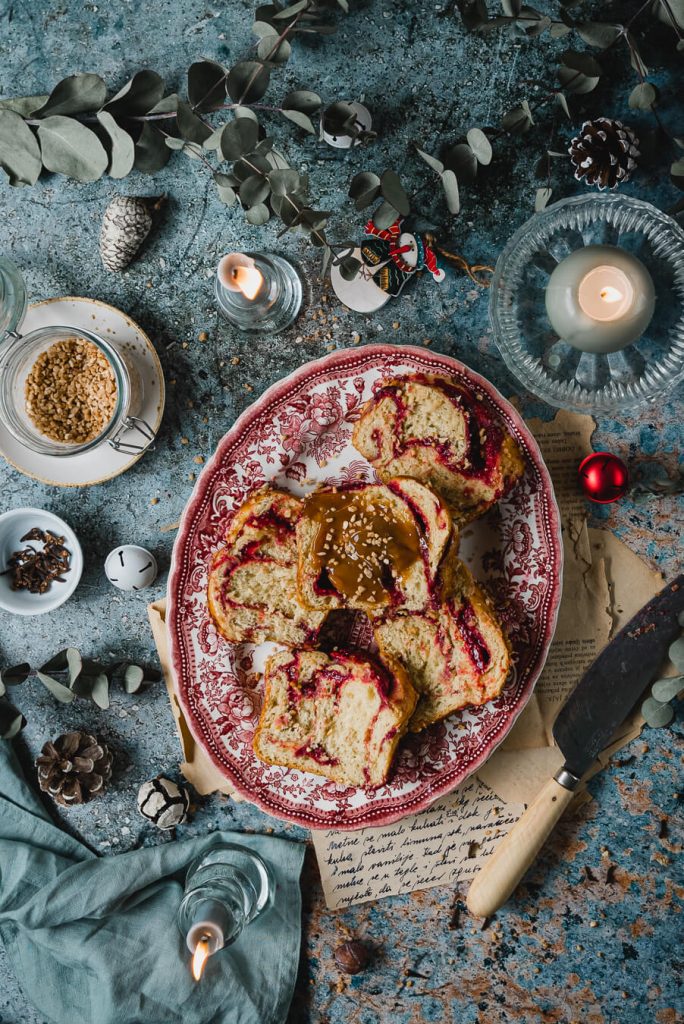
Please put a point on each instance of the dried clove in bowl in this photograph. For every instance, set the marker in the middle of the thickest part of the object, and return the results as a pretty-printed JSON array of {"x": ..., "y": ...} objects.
[{"x": 35, "y": 569}]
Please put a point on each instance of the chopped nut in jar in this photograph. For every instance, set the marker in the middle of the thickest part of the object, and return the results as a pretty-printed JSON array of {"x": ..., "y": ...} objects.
[{"x": 71, "y": 391}]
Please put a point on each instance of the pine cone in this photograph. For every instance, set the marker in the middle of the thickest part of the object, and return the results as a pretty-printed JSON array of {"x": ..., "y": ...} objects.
[
  {"x": 604, "y": 152},
  {"x": 74, "y": 767},
  {"x": 125, "y": 226}
]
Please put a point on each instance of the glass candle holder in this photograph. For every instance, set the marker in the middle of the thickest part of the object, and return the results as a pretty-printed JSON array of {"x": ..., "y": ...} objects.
[
  {"x": 258, "y": 291},
  {"x": 538, "y": 308},
  {"x": 225, "y": 890}
]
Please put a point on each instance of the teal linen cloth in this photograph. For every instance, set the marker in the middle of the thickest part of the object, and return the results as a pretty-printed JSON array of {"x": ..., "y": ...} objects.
[{"x": 94, "y": 939}]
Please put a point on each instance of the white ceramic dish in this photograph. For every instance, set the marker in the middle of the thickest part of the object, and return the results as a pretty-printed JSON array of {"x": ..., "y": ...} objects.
[
  {"x": 103, "y": 462},
  {"x": 13, "y": 525}
]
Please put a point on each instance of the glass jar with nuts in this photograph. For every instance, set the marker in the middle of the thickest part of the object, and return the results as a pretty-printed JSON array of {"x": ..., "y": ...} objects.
[{"x": 64, "y": 390}]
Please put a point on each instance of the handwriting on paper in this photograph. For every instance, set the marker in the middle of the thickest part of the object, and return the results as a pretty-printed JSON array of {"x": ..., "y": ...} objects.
[{"x": 439, "y": 846}]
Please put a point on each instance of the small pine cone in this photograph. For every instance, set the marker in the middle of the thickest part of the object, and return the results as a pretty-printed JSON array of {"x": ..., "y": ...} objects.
[
  {"x": 604, "y": 152},
  {"x": 125, "y": 226},
  {"x": 73, "y": 768}
]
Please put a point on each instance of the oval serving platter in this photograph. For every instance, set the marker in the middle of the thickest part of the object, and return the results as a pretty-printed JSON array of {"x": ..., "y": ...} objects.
[{"x": 298, "y": 435}]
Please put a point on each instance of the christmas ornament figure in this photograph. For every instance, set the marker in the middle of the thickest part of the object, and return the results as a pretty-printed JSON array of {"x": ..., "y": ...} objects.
[
  {"x": 604, "y": 153},
  {"x": 163, "y": 802},
  {"x": 603, "y": 477}
]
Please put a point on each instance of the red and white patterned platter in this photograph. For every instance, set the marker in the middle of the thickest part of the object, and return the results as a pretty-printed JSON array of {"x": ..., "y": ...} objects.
[{"x": 297, "y": 435}]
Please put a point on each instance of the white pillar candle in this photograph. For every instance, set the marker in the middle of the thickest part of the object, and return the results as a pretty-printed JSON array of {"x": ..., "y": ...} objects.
[{"x": 600, "y": 299}]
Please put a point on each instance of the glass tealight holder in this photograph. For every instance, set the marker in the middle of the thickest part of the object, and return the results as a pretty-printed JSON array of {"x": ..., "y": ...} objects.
[
  {"x": 638, "y": 373},
  {"x": 226, "y": 889},
  {"x": 271, "y": 304}
]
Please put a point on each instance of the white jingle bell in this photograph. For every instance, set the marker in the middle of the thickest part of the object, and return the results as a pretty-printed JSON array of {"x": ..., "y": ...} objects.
[
  {"x": 131, "y": 567},
  {"x": 163, "y": 802}
]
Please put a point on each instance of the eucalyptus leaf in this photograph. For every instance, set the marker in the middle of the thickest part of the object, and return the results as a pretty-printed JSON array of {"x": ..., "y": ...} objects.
[
  {"x": 151, "y": 152},
  {"x": 248, "y": 81},
  {"x": 213, "y": 141},
  {"x": 167, "y": 105},
  {"x": 300, "y": 119},
  {"x": 643, "y": 96},
  {"x": 349, "y": 267},
  {"x": 289, "y": 12},
  {"x": 238, "y": 138},
  {"x": 450, "y": 186},
  {"x": 206, "y": 85},
  {"x": 273, "y": 51},
  {"x": 14, "y": 676},
  {"x": 480, "y": 145},
  {"x": 431, "y": 161},
  {"x": 511, "y": 8},
  {"x": 635, "y": 58},
  {"x": 364, "y": 189},
  {"x": 24, "y": 105},
  {"x": 563, "y": 104},
  {"x": 462, "y": 161},
  {"x": 249, "y": 165},
  {"x": 254, "y": 190},
  {"x": 19, "y": 150},
  {"x": 579, "y": 72},
  {"x": 74, "y": 95},
  {"x": 303, "y": 100},
  {"x": 518, "y": 120},
  {"x": 262, "y": 28},
  {"x": 138, "y": 96},
  {"x": 100, "y": 691},
  {"x": 393, "y": 192},
  {"x": 664, "y": 690},
  {"x": 290, "y": 210},
  {"x": 226, "y": 193},
  {"x": 676, "y": 653},
  {"x": 61, "y": 693},
  {"x": 190, "y": 126},
  {"x": 283, "y": 182},
  {"x": 122, "y": 147},
  {"x": 598, "y": 34},
  {"x": 134, "y": 677},
  {"x": 258, "y": 214},
  {"x": 11, "y": 721},
  {"x": 240, "y": 111},
  {"x": 677, "y": 173},
  {"x": 656, "y": 714},
  {"x": 541, "y": 198},
  {"x": 385, "y": 216},
  {"x": 68, "y": 147},
  {"x": 67, "y": 660}
]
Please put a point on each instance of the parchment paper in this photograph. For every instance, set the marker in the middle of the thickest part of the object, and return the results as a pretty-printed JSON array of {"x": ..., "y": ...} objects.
[{"x": 604, "y": 585}]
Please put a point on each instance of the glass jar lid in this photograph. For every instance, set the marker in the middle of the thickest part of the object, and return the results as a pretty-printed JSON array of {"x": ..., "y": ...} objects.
[{"x": 13, "y": 297}]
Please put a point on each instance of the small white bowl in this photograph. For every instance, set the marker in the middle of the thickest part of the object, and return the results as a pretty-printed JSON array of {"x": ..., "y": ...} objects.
[{"x": 13, "y": 525}]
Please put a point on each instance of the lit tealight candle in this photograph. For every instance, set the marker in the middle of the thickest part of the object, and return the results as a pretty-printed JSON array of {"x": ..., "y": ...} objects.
[
  {"x": 258, "y": 291},
  {"x": 600, "y": 299}
]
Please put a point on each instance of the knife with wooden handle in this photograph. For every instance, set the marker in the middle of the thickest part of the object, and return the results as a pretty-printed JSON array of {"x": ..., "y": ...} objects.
[{"x": 600, "y": 702}]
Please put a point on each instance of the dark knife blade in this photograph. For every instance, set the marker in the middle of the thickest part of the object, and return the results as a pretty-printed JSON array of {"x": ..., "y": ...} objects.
[{"x": 615, "y": 681}]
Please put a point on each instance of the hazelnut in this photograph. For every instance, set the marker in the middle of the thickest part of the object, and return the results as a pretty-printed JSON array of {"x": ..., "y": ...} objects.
[{"x": 352, "y": 957}]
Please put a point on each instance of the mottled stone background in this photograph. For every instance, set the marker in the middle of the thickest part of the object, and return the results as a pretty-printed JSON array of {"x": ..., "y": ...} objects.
[{"x": 598, "y": 947}]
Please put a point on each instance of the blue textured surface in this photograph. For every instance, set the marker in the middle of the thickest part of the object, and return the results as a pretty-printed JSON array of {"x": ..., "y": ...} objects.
[{"x": 424, "y": 78}]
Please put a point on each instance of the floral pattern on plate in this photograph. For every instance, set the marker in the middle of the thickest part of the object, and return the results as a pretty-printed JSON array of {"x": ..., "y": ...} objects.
[{"x": 297, "y": 435}]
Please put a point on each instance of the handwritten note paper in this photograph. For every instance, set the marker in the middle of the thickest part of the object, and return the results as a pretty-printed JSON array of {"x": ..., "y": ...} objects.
[{"x": 439, "y": 846}]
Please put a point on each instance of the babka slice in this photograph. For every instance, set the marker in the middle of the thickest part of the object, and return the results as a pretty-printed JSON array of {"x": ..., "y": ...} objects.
[
  {"x": 455, "y": 654},
  {"x": 340, "y": 714},
  {"x": 371, "y": 546},
  {"x": 252, "y": 593},
  {"x": 443, "y": 434}
]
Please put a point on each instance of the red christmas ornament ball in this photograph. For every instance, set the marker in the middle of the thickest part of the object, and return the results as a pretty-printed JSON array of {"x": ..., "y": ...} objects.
[{"x": 603, "y": 477}]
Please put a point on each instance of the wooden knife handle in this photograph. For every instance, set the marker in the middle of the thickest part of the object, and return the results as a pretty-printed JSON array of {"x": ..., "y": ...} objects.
[{"x": 517, "y": 851}]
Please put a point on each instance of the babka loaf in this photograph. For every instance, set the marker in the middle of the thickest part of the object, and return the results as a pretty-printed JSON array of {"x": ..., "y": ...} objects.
[
  {"x": 456, "y": 654},
  {"x": 252, "y": 594},
  {"x": 371, "y": 546},
  {"x": 443, "y": 434},
  {"x": 340, "y": 714}
]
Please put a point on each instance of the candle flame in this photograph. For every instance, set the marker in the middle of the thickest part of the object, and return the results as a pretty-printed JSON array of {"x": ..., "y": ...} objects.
[
  {"x": 248, "y": 280},
  {"x": 199, "y": 958},
  {"x": 610, "y": 294}
]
